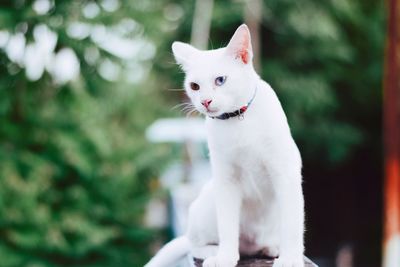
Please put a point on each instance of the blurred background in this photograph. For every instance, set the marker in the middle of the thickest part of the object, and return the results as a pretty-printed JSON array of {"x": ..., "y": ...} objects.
[{"x": 97, "y": 165}]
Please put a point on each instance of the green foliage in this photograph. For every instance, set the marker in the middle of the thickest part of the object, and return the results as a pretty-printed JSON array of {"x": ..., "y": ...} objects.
[
  {"x": 75, "y": 165},
  {"x": 322, "y": 55}
]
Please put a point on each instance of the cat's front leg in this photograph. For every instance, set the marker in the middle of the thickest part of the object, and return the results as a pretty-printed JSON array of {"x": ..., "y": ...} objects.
[
  {"x": 291, "y": 206},
  {"x": 228, "y": 203}
]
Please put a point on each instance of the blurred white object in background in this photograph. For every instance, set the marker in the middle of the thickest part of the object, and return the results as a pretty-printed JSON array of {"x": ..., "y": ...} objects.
[
  {"x": 65, "y": 66},
  {"x": 177, "y": 130},
  {"x": 345, "y": 256},
  {"x": 41, "y": 7},
  {"x": 183, "y": 179},
  {"x": 392, "y": 252},
  {"x": 40, "y": 54},
  {"x": 156, "y": 214}
]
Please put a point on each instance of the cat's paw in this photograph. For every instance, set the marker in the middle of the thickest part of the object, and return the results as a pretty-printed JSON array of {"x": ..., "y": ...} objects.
[
  {"x": 288, "y": 262},
  {"x": 270, "y": 251},
  {"x": 218, "y": 261}
]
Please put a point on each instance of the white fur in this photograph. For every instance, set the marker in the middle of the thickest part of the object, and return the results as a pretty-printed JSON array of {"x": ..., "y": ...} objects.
[{"x": 254, "y": 203}]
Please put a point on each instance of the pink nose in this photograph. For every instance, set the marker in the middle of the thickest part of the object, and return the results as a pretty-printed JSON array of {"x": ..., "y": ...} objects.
[{"x": 206, "y": 102}]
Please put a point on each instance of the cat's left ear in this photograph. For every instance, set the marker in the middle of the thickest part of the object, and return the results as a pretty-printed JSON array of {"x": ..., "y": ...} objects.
[{"x": 240, "y": 45}]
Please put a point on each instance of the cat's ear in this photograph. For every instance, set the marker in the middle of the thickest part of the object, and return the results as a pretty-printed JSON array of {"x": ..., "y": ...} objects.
[
  {"x": 240, "y": 45},
  {"x": 183, "y": 53}
]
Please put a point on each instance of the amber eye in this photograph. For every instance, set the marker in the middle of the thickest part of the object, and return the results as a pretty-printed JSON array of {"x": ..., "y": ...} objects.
[
  {"x": 220, "y": 80},
  {"x": 194, "y": 86}
]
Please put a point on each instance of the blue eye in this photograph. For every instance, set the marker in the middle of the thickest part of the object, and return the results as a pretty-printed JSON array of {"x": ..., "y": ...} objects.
[{"x": 220, "y": 80}]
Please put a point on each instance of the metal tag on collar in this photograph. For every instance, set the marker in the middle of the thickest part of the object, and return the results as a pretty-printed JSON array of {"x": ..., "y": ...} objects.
[
  {"x": 241, "y": 115},
  {"x": 242, "y": 110}
]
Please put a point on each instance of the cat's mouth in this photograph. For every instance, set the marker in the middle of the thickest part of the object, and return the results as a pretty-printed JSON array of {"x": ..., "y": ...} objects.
[
  {"x": 213, "y": 113},
  {"x": 210, "y": 111}
]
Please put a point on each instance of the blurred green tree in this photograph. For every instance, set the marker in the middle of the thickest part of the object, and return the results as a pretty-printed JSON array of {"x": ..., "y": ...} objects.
[{"x": 75, "y": 166}]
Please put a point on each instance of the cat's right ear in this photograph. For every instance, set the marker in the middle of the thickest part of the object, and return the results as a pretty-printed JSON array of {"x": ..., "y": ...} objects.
[
  {"x": 183, "y": 53},
  {"x": 240, "y": 44}
]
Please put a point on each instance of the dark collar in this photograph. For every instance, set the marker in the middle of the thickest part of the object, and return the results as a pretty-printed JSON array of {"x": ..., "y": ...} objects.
[{"x": 239, "y": 112}]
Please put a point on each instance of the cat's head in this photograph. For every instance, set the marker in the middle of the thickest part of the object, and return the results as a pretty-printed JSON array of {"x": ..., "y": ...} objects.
[{"x": 221, "y": 80}]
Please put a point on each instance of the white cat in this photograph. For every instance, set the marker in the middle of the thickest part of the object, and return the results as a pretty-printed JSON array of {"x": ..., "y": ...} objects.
[{"x": 254, "y": 203}]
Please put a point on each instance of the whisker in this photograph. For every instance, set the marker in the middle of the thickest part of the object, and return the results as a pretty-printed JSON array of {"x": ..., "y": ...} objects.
[
  {"x": 175, "y": 89},
  {"x": 185, "y": 104},
  {"x": 188, "y": 108},
  {"x": 190, "y": 113},
  {"x": 186, "y": 111}
]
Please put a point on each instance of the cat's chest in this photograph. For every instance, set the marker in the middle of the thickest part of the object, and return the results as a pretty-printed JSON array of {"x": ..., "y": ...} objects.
[
  {"x": 246, "y": 150},
  {"x": 245, "y": 142},
  {"x": 247, "y": 154},
  {"x": 253, "y": 175}
]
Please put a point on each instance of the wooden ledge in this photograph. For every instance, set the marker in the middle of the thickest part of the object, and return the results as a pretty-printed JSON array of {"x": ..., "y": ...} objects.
[{"x": 255, "y": 262}]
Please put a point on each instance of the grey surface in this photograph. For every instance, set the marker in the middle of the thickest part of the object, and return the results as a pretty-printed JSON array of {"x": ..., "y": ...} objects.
[{"x": 255, "y": 262}]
